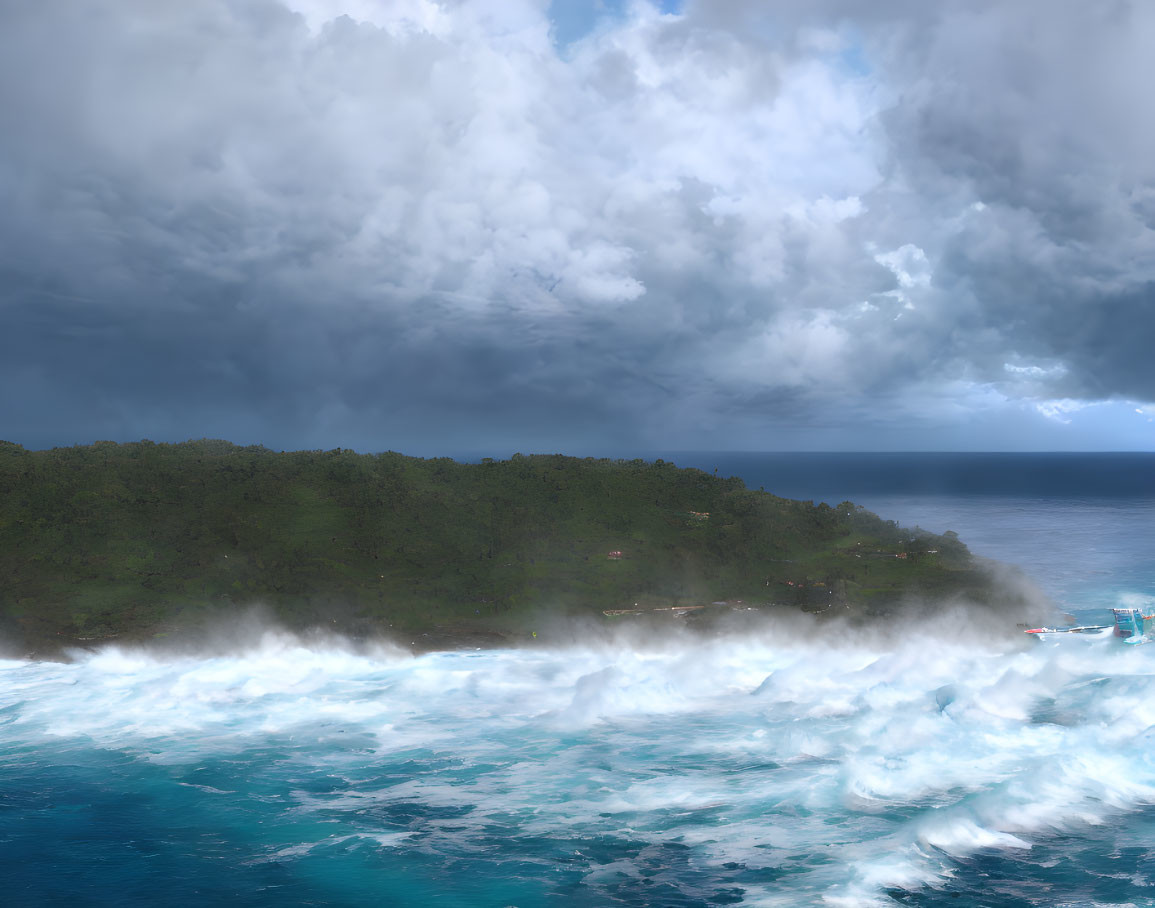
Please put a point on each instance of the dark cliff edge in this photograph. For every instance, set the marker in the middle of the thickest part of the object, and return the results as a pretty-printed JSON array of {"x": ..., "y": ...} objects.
[{"x": 149, "y": 542}]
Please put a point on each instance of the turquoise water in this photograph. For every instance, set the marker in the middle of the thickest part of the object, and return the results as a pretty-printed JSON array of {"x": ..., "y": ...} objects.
[{"x": 782, "y": 765}]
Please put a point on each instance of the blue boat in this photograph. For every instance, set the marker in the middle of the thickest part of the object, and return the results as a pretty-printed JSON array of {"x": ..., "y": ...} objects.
[{"x": 1131, "y": 626}]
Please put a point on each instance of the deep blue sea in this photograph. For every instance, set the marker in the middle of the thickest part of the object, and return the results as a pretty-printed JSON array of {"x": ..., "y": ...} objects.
[{"x": 781, "y": 767}]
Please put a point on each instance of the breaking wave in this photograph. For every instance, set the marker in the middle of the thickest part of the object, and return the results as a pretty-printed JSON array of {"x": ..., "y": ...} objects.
[{"x": 766, "y": 769}]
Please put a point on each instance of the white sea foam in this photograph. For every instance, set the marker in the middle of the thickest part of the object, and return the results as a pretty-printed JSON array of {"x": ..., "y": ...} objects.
[{"x": 892, "y": 760}]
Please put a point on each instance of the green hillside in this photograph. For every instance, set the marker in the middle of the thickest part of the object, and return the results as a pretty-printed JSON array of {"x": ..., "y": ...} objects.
[{"x": 137, "y": 540}]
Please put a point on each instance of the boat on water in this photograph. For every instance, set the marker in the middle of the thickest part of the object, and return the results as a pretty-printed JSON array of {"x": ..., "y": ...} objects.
[
  {"x": 1083, "y": 631},
  {"x": 1131, "y": 625}
]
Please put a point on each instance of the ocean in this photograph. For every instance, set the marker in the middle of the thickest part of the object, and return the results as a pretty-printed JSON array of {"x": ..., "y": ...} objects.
[{"x": 784, "y": 766}]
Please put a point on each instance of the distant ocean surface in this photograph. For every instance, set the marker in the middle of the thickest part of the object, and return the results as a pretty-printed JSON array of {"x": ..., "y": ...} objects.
[{"x": 779, "y": 768}]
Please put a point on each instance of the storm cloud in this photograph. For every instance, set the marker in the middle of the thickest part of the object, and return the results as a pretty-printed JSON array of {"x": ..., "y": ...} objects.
[{"x": 437, "y": 227}]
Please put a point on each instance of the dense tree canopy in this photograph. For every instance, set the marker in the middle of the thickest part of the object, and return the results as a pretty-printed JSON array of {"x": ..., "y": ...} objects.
[{"x": 139, "y": 539}]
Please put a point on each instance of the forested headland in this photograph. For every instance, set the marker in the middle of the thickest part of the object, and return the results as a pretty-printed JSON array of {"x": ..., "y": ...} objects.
[{"x": 136, "y": 541}]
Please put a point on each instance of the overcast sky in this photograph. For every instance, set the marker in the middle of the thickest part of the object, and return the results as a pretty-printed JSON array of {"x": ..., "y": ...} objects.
[{"x": 588, "y": 227}]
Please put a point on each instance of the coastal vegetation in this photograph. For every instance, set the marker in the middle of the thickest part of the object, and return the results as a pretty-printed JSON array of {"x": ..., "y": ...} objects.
[{"x": 141, "y": 540}]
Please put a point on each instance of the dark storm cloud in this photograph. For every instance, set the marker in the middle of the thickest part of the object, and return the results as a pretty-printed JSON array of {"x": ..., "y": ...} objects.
[
  {"x": 1043, "y": 120},
  {"x": 419, "y": 227}
]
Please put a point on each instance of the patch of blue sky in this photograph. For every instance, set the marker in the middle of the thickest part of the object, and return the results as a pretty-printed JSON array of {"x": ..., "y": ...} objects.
[
  {"x": 847, "y": 53},
  {"x": 574, "y": 19},
  {"x": 853, "y": 61}
]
